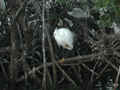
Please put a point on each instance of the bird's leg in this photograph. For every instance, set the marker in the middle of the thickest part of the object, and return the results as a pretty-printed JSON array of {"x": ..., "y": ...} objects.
[{"x": 61, "y": 61}]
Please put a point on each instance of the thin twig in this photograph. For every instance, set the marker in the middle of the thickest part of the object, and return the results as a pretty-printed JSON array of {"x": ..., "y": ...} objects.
[
  {"x": 4, "y": 71},
  {"x": 66, "y": 75},
  {"x": 43, "y": 47},
  {"x": 85, "y": 58},
  {"x": 86, "y": 67},
  {"x": 102, "y": 71},
  {"x": 13, "y": 51},
  {"x": 116, "y": 80},
  {"x": 90, "y": 83},
  {"x": 111, "y": 64},
  {"x": 52, "y": 55}
]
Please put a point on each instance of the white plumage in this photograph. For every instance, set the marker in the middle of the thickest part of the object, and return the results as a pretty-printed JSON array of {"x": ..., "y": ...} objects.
[{"x": 64, "y": 37}]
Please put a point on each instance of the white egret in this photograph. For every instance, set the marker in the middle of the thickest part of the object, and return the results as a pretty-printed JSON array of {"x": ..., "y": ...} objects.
[{"x": 64, "y": 37}]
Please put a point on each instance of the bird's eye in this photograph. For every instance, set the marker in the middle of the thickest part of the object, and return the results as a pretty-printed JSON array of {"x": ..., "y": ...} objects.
[{"x": 66, "y": 46}]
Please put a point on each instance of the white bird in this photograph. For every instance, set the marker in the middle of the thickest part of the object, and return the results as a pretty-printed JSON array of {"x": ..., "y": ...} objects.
[{"x": 64, "y": 37}]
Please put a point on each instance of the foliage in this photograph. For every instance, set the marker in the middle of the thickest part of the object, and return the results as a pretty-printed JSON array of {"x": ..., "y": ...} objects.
[
  {"x": 110, "y": 10},
  {"x": 65, "y": 3}
]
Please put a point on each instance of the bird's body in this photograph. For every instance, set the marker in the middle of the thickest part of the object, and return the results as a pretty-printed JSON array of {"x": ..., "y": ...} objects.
[{"x": 64, "y": 37}]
